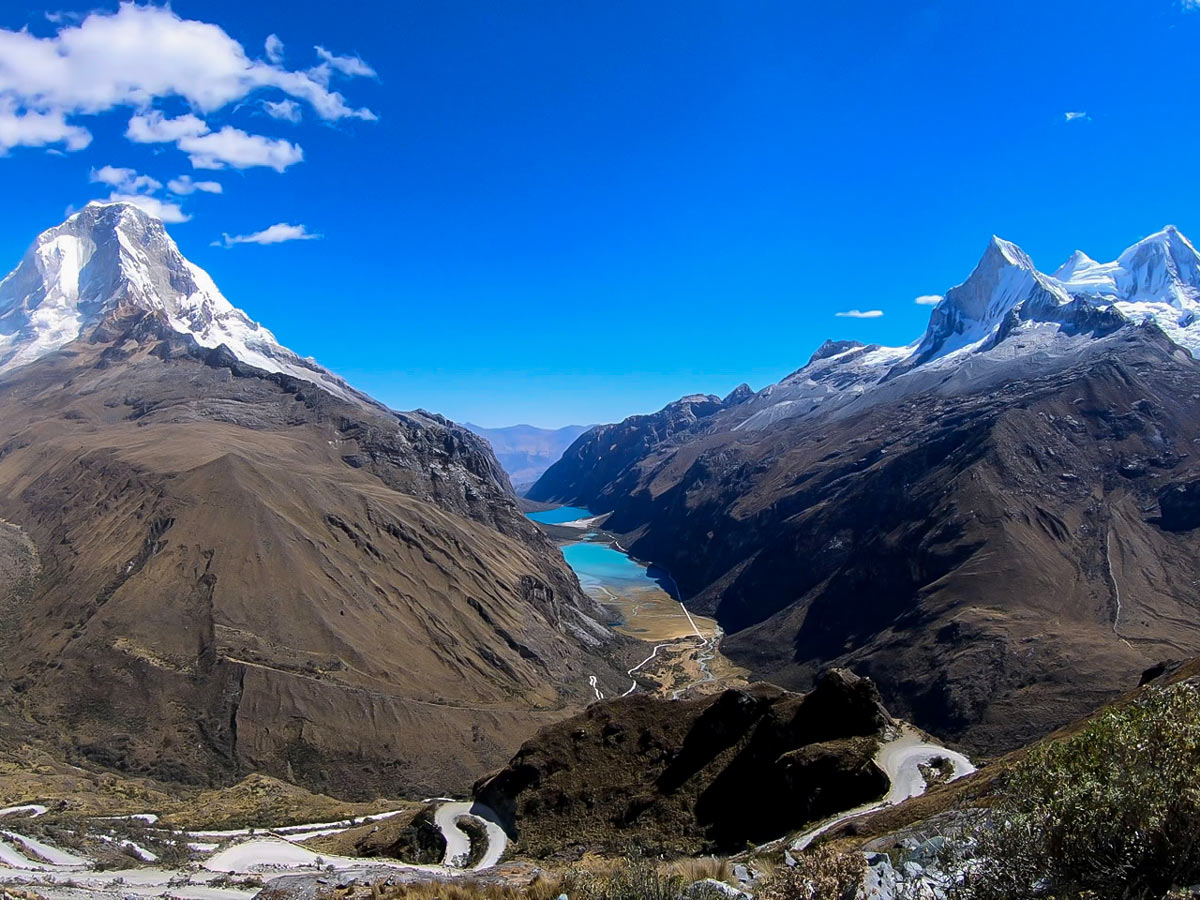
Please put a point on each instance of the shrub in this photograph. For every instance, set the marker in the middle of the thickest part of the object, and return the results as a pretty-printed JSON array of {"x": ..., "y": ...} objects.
[
  {"x": 633, "y": 879},
  {"x": 819, "y": 874},
  {"x": 1112, "y": 813}
]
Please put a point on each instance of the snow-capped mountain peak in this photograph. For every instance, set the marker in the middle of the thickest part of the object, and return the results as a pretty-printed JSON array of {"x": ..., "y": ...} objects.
[
  {"x": 1158, "y": 278},
  {"x": 971, "y": 314},
  {"x": 1001, "y": 278},
  {"x": 1164, "y": 265},
  {"x": 114, "y": 258},
  {"x": 1077, "y": 263},
  {"x": 1006, "y": 310}
]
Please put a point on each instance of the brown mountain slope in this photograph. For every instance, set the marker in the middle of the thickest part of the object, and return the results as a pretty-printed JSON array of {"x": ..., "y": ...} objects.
[
  {"x": 240, "y": 572},
  {"x": 992, "y": 558}
]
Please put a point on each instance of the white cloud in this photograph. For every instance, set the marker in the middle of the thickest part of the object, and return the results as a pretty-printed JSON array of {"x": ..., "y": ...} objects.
[
  {"x": 274, "y": 48},
  {"x": 134, "y": 57},
  {"x": 352, "y": 66},
  {"x": 234, "y": 148},
  {"x": 214, "y": 149},
  {"x": 1079, "y": 115},
  {"x": 126, "y": 181},
  {"x": 289, "y": 110},
  {"x": 130, "y": 187},
  {"x": 860, "y": 314},
  {"x": 25, "y": 128},
  {"x": 928, "y": 300},
  {"x": 60, "y": 16},
  {"x": 153, "y": 128},
  {"x": 160, "y": 209},
  {"x": 1189, "y": 5},
  {"x": 276, "y": 234},
  {"x": 184, "y": 185}
]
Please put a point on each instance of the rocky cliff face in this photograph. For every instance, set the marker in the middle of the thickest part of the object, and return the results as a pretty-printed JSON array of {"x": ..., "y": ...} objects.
[
  {"x": 252, "y": 567},
  {"x": 994, "y": 522},
  {"x": 691, "y": 776},
  {"x": 599, "y": 456}
]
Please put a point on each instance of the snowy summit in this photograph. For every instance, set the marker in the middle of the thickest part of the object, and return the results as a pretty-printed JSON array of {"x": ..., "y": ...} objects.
[
  {"x": 111, "y": 257},
  {"x": 1006, "y": 310}
]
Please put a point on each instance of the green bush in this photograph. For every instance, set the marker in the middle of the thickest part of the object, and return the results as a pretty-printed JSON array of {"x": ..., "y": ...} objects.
[{"x": 1112, "y": 813}]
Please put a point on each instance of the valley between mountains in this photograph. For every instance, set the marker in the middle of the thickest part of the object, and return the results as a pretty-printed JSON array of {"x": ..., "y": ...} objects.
[
  {"x": 261, "y": 635},
  {"x": 982, "y": 521}
]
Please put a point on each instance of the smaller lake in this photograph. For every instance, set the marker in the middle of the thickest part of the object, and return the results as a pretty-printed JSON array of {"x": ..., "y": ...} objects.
[{"x": 560, "y": 515}]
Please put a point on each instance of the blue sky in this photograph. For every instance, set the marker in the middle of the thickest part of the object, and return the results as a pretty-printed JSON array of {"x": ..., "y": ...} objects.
[{"x": 548, "y": 212}]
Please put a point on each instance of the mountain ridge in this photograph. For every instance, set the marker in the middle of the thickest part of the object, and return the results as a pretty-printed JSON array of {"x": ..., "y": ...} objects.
[
  {"x": 928, "y": 519},
  {"x": 245, "y": 565}
]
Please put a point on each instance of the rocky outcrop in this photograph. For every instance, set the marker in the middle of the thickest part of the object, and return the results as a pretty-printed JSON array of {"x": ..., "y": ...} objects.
[
  {"x": 1180, "y": 505},
  {"x": 598, "y": 457},
  {"x": 685, "y": 776}
]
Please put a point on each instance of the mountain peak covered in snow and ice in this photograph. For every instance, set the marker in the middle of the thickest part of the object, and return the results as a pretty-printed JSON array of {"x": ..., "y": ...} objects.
[
  {"x": 1006, "y": 310},
  {"x": 110, "y": 259}
]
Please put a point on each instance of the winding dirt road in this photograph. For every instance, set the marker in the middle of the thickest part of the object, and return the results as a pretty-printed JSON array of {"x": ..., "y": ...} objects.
[
  {"x": 458, "y": 842},
  {"x": 901, "y": 760}
]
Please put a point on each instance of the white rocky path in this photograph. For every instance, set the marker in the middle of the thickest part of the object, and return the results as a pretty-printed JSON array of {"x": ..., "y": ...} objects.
[
  {"x": 900, "y": 759},
  {"x": 57, "y": 874},
  {"x": 458, "y": 842}
]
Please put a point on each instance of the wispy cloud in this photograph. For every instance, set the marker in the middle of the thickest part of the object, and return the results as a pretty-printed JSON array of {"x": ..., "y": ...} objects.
[
  {"x": 207, "y": 149},
  {"x": 274, "y": 48},
  {"x": 128, "y": 186},
  {"x": 234, "y": 148},
  {"x": 127, "y": 181},
  {"x": 59, "y": 16},
  {"x": 928, "y": 300},
  {"x": 352, "y": 66},
  {"x": 184, "y": 185},
  {"x": 288, "y": 110},
  {"x": 160, "y": 209},
  {"x": 155, "y": 128},
  {"x": 1079, "y": 115},
  {"x": 276, "y": 234},
  {"x": 860, "y": 314},
  {"x": 30, "y": 128}
]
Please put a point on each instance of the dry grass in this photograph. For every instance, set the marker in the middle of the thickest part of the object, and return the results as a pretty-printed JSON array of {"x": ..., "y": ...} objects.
[
  {"x": 653, "y": 615},
  {"x": 700, "y": 868},
  {"x": 543, "y": 888},
  {"x": 594, "y": 878}
]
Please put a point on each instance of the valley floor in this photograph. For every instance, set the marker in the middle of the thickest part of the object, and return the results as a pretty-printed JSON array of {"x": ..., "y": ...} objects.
[{"x": 683, "y": 658}]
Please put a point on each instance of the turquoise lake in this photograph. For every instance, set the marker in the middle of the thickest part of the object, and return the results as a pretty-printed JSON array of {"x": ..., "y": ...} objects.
[
  {"x": 605, "y": 565},
  {"x": 560, "y": 515},
  {"x": 598, "y": 564}
]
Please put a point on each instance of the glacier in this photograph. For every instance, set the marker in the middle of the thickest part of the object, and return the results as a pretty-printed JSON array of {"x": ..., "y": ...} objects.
[
  {"x": 1006, "y": 310},
  {"x": 113, "y": 257}
]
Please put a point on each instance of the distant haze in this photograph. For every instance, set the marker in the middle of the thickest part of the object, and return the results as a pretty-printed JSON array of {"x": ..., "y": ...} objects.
[{"x": 527, "y": 451}]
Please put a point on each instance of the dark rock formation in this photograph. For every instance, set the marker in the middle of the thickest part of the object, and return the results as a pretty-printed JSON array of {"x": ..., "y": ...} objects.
[
  {"x": 1180, "y": 505},
  {"x": 587, "y": 467},
  {"x": 691, "y": 776}
]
